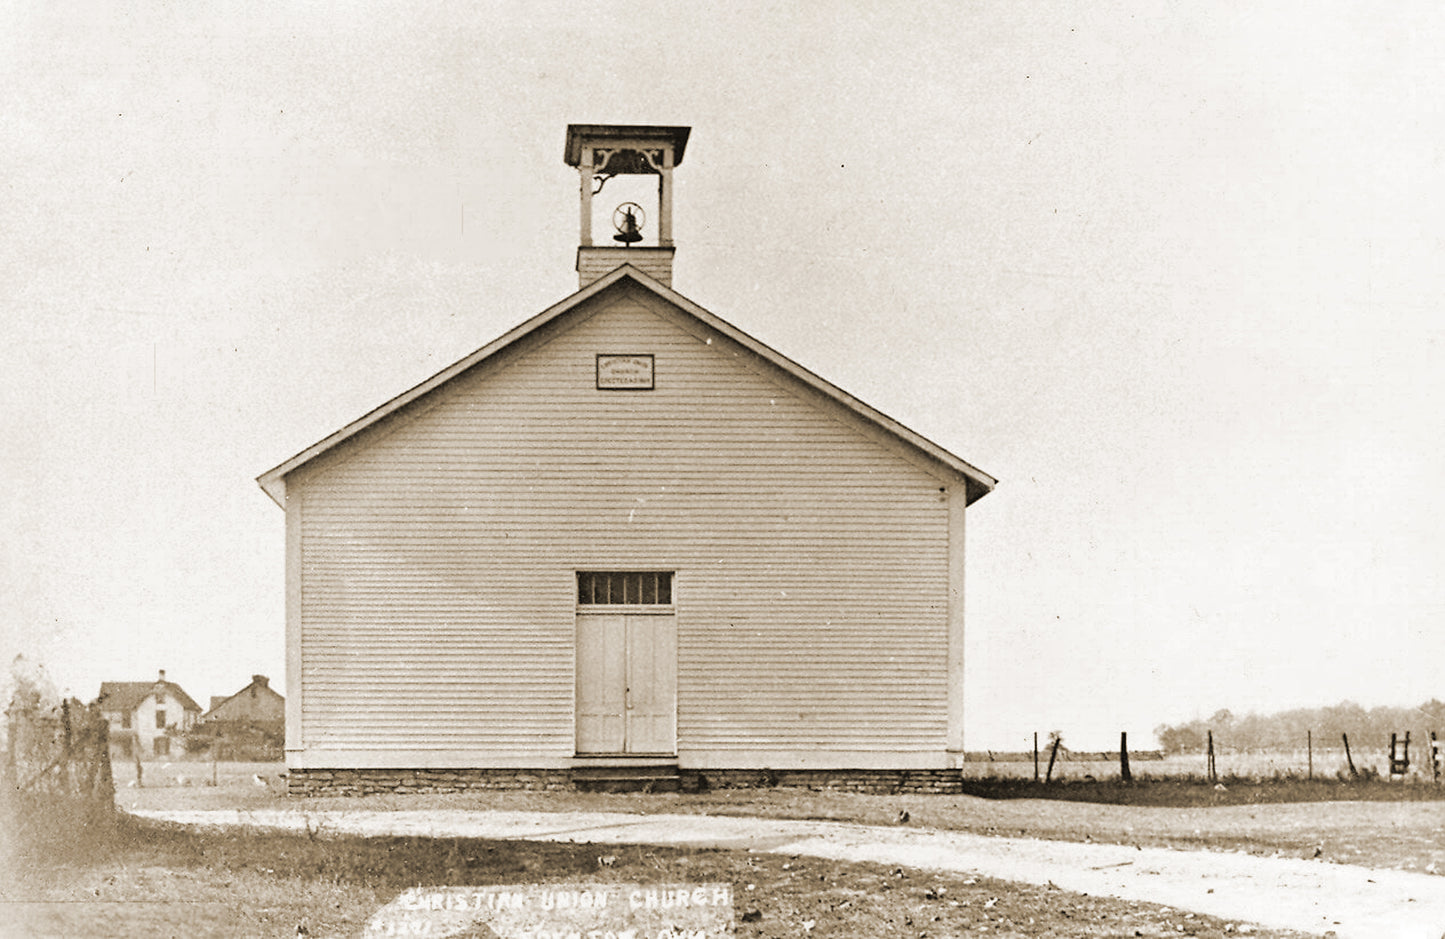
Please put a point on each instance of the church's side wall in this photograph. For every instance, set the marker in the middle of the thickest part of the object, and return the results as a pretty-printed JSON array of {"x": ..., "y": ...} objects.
[{"x": 433, "y": 564}]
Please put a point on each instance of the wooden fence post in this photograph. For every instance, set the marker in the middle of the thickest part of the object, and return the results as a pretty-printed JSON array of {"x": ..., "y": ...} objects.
[
  {"x": 87, "y": 767},
  {"x": 1036, "y": 756},
  {"x": 1053, "y": 755},
  {"x": 102, "y": 753},
  {"x": 12, "y": 766},
  {"x": 1124, "y": 757},
  {"x": 1213, "y": 776},
  {"x": 67, "y": 742},
  {"x": 1310, "y": 749},
  {"x": 1354, "y": 773},
  {"x": 1399, "y": 755}
]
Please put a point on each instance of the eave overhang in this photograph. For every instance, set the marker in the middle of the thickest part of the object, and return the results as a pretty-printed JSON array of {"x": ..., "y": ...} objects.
[{"x": 624, "y": 133}]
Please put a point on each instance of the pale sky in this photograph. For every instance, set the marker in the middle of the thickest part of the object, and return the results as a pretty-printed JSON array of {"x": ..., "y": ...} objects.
[{"x": 1172, "y": 276}]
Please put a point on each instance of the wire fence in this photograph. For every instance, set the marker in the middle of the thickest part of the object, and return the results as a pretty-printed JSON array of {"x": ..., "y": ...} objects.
[{"x": 56, "y": 771}]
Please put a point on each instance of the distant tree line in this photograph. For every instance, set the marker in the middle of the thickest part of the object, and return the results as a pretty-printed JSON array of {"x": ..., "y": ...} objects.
[{"x": 1287, "y": 730}]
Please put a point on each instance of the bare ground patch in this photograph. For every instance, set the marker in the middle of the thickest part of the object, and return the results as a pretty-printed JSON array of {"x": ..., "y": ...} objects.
[
  {"x": 1393, "y": 827},
  {"x": 159, "y": 880}
]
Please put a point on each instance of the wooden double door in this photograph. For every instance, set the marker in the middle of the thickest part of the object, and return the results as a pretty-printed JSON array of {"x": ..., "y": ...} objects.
[{"x": 626, "y": 683}]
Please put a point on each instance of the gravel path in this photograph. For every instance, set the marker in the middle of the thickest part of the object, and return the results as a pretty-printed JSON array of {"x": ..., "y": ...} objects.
[{"x": 1286, "y": 893}]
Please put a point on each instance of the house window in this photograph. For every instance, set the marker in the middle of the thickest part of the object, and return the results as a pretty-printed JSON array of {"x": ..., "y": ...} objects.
[
  {"x": 125, "y": 721},
  {"x": 160, "y": 720},
  {"x": 162, "y": 746},
  {"x": 629, "y": 588}
]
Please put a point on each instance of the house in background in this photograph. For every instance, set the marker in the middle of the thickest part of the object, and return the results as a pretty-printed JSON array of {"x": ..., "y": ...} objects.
[
  {"x": 257, "y": 703},
  {"x": 625, "y": 538},
  {"x": 248, "y": 725},
  {"x": 145, "y": 716}
]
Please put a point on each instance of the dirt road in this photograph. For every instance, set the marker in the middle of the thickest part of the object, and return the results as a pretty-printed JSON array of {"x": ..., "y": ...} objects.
[{"x": 1289, "y": 893}]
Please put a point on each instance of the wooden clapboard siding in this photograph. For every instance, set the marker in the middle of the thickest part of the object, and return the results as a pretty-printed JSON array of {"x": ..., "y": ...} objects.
[
  {"x": 594, "y": 261},
  {"x": 437, "y": 552}
]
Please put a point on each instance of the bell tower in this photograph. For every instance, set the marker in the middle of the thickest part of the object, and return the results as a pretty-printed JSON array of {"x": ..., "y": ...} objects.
[{"x": 638, "y": 230}]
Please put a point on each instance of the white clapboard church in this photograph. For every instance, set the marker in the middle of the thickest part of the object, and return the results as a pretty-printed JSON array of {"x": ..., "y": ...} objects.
[{"x": 625, "y": 539}]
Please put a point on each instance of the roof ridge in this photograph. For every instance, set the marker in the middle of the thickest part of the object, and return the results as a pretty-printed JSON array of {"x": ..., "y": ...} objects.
[{"x": 979, "y": 483}]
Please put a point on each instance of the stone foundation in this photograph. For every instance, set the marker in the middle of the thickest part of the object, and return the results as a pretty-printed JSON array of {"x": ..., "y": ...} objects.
[
  {"x": 876, "y": 781},
  {"x": 365, "y": 782},
  {"x": 360, "y": 782}
]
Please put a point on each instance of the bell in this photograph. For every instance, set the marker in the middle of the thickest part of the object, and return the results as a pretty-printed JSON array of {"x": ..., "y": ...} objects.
[{"x": 628, "y": 231}]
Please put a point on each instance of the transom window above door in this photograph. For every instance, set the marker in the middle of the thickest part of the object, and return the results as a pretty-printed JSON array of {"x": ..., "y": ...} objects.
[{"x": 624, "y": 588}]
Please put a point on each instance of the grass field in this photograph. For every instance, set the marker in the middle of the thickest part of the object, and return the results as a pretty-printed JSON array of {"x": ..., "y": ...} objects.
[
  {"x": 1322, "y": 764},
  {"x": 1374, "y": 823},
  {"x": 1070, "y": 767},
  {"x": 265, "y": 884},
  {"x": 177, "y": 775},
  {"x": 149, "y": 880}
]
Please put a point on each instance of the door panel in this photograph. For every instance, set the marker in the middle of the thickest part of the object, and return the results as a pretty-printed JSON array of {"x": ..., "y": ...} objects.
[
  {"x": 601, "y": 684},
  {"x": 652, "y": 684},
  {"x": 626, "y": 683}
]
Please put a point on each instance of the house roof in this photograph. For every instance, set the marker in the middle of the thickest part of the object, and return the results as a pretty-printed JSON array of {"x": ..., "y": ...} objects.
[
  {"x": 257, "y": 681},
  {"x": 978, "y": 483},
  {"x": 127, "y": 695}
]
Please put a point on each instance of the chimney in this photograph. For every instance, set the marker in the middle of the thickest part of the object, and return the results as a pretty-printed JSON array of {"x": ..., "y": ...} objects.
[
  {"x": 261, "y": 680},
  {"x": 163, "y": 676},
  {"x": 642, "y": 219}
]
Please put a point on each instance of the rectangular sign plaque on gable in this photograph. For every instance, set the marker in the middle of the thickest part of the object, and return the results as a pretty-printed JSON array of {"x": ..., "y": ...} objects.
[{"x": 624, "y": 372}]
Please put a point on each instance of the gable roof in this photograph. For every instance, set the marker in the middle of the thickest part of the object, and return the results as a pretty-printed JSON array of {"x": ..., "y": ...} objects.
[
  {"x": 978, "y": 483},
  {"x": 127, "y": 695},
  {"x": 257, "y": 681}
]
